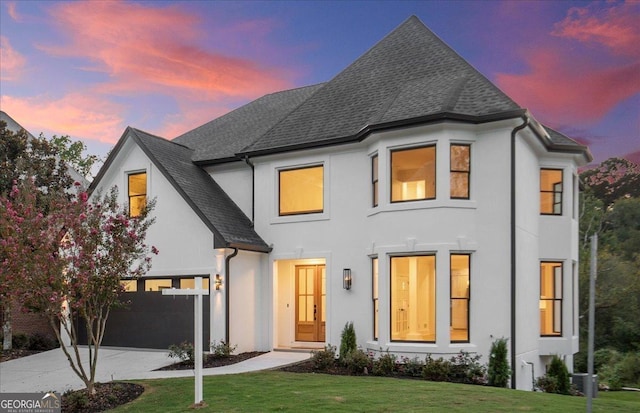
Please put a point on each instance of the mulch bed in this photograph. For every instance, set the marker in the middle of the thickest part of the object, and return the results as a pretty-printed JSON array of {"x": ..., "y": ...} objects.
[
  {"x": 209, "y": 360},
  {"x": 6, "y": 355}
]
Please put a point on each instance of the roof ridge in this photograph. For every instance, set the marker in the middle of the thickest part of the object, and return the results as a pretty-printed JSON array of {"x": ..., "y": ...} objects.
[{"x": 151, "y": 135}]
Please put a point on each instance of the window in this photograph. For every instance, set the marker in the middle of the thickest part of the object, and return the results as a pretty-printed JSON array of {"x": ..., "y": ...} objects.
[
  {"x": 191, "y": 283},
  {"x": 460, "y": 169},
  {"x": 551, "y": 191},
  {"x": 374, "y": 276},
  {"x": 413, "y": 174},
  {"x": 130, "y": 286},
  {"x": 137, "y": 193},
  {"x": 460, "y": 270},
  {"x": 301, "y": 190},
  {"x": 374, "y": 179},
  {"x": 157, "y": 284},
  {"x": 550, "y": 298},
  {"x": 413, "y": 298}
]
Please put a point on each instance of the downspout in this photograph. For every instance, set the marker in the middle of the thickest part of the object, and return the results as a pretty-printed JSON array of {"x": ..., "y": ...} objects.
[
  {"x": 525, "y": 118},
  {"x": 533, "y": 381},
  {"x": 253, "y": 188},
  {"x": 227, "y": 296}
]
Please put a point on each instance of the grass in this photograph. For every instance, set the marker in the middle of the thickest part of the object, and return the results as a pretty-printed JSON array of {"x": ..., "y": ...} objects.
[{"x": 275, "y": 391}]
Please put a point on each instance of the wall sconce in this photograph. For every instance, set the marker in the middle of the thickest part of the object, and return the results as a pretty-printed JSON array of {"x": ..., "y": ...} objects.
[
  {"x": 218, "y": 282},
  {"x": 346, "y": 278}
]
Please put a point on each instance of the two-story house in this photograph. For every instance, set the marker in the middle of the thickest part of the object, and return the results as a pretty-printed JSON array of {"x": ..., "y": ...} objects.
[{"x": 408, "y": 194}]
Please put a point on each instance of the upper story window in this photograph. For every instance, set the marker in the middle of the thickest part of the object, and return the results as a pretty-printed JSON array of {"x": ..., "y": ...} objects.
[
  {"x": 551, "y": 191},
  {"x": 413, "y": 174},
  {"x": 460, "y": 170},
  {"x": 374, "y": 179},
  {"x": 550, "y": 298},
  {"x": 137, "y": 191},
  {"x": 301, "y": 190}
]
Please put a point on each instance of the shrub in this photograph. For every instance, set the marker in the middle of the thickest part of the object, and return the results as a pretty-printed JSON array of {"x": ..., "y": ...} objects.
[
  {"x": 499, "y": 372},
  {"x": 75, "y": 400},
  {"x": 20, "y": 341},
  {"x": 40, "y": 342},
  {"x": 547, "y": 384},
  {"x": 558, "y": 369},
  {"x": 222, "y": 349},
  {"x": 465, "y": 368},
  {"x": 622, "y": 369},
  {"x": 348, "y": 340},
  {"x": 182, "y": 351},
  {"x": 385, "y": 365},
  {"x": 325, "y": 359},
  {"x": 411, "y": 367},
  {"x": 357, "y": 361},
  {"x": 436, "y": 369}
]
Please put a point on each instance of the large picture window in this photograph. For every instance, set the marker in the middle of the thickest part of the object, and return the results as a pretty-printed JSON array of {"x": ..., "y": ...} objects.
[
  {"x": 137, "y": 190},
  {"x": 460, "y": 161},
  {"x": 413, "y": 174},
  {"x": 301, "y": 190},
  {"x": 551, "y": 191},
  {"x": 460, "y": 277},
  {"x": 550, "y": 298},
  {"x": 413, "y": 298}
]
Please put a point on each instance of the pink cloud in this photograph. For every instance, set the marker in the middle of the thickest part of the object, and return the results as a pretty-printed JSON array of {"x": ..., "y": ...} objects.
[
  {"x": 562, "y": 91},
  {"x": 12, "y": 11},
  {"x": 80, "y": 116},
  {"x": 11, "y": 62},
  {"x": 191, "y": 116},
  {"x": 145, "y": 48},
  {"x": 615, "y": 27}
]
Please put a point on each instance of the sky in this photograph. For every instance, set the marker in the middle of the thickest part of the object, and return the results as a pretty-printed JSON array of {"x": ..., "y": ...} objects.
[{"x": 89, "y": 69}]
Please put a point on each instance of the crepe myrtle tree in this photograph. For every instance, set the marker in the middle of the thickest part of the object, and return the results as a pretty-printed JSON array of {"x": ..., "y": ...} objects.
[{"x": 73, "y": 269}]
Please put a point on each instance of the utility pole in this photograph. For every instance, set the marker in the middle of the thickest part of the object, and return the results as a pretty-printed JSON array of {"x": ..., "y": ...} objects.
[{"x": 593, "y": 274}]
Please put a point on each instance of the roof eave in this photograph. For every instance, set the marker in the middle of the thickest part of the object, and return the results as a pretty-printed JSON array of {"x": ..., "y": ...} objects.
[{"x": 403, "y": 123}]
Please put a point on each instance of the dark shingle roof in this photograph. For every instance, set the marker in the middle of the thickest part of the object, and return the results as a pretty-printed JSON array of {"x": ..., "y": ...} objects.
[
  {"x": 230, "y": 226},
  {"x": 410, "y": 74},
  {"x": 225, "y": 136}
]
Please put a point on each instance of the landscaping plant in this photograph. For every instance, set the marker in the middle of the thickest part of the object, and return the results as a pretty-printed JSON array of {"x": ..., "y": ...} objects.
[
  {"x": 499, "y": 372},
  {"x": 348, "y": 340}
]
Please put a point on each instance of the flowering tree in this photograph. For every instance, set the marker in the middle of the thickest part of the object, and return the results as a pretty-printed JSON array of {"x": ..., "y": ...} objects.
[{"x": 70, "y": 262}]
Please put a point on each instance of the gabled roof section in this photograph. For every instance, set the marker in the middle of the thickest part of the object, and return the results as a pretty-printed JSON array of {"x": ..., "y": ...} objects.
[
  {"x": 230, "y": 226},
  {"x": 561, "y": 142},
  {"x": 410, "y": 76},
  {"x": 220, "y": 139}
]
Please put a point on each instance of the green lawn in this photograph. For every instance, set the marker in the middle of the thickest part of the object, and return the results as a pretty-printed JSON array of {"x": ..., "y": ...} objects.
[{"x": 293, "y": 392}]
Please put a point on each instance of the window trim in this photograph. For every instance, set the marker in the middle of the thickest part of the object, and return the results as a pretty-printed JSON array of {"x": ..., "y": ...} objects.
[
  {"x": 298, "y": 168},
  {"x": 554, "y": 192},
  {"x": 468, "y": 172},
  {"x": 435, "y": 304},
  {"x": 559, "y": 265},
  {"x": 146, "y": 188},
  {"x": 375, "y": 176},
  {"x": 435, "y": 173},
  {"x": 451, "y": 298},
  {"x": 375, "y": 295}
]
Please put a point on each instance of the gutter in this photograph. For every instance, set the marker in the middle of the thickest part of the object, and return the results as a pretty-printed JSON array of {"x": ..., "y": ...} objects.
[
  {"x": 227, "y": 296},
  {"x": 253, "y": 189},
  {"x": 525, "y": 118}
]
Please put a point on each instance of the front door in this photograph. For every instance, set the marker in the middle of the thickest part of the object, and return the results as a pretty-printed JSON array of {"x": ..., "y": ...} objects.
[{"x": 310, "y": 299}]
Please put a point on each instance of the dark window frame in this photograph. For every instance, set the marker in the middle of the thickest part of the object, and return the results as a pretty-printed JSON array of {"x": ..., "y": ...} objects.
[
  {"x": 288, "y": 214},
  {"x": 554, "y": 297},
  {"x": 435, "y": 307},
  {"x": 556, "y": 194},
  {"x": 467, "y": 172},
  {"x": 435, "y": 173},
  {"x": 146, "y": 189},
  {"x": 375, "y": 173},
  {"x": 452, "y": 298},
  {"x": 375, "y": 297}
]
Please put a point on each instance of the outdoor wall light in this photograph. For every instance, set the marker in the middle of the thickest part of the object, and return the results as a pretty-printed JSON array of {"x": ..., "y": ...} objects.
[
  {"x": 218, "y": 282},
  {"x": 346, "y": 278}
]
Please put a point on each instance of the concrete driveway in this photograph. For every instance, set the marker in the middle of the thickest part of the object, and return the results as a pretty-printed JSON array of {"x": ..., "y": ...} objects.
[{"x": 50, "y": 370}]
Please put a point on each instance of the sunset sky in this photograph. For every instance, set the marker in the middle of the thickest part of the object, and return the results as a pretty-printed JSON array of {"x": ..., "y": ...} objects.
[{"x": 90, "y": 69}]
